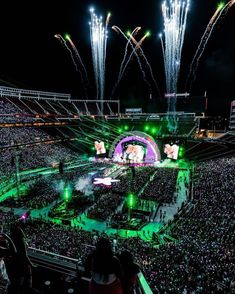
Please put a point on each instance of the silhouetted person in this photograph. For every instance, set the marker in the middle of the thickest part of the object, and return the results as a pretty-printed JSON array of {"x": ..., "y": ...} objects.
[
  {"x": 4, "y": 280},
  {"x": 130, "y": 270},
  {"x": 7, "y": 249},
  {"x": 21, "y": 272},
  {"x": 105, "y": 269}
]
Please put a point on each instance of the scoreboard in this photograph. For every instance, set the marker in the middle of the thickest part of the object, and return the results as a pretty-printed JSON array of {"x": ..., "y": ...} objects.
[{"x": 232, "y": 116}]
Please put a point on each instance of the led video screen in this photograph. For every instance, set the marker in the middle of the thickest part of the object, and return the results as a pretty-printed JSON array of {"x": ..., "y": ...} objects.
[
  {"x": 171, "y": 151},
  {"x": 100, "y": 147},
  {"x": 133, "y": 151}
]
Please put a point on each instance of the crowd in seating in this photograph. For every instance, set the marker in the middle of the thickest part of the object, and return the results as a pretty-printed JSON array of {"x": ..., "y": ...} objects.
[
  {"x": 41, "y": 191},
  {"x": 40, "y": 155},
  {"x": 23, "y": 135},
  {"x": 31, "y": 156},
  {"x": 105, "y": 206},
  {"x": 10, "y": 113},
  {"x": 202, "y": 261},
  {"x": 133, "y": 183},
  {"x": 162, "y": 187}
]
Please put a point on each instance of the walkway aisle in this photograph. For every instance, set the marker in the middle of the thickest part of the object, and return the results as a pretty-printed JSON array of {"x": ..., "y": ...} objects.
[{"x": 181, "y": 194}]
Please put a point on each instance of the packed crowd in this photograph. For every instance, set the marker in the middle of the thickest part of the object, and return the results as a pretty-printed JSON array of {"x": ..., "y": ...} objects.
[
  {"x": 10, "y": 113},
  {"x": 202, "y": 261},
  {"x": 23, "y": 135},
  {"x": 162, "y": 187},
  {"x": 35, "y": 154},
  {"x": 134, "y": 183},
  {"x": 105, "y": 206},
  {"x": 41, "y": 191}
]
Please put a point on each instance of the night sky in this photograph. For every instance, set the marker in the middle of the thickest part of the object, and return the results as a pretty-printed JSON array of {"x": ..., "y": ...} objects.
[{"x": 32, "y": 58}]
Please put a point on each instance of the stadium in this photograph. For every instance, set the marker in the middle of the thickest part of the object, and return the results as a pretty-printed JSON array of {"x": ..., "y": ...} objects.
[
  {"x": 167, "y": 197},
  {"x": 97, "y": 197}
]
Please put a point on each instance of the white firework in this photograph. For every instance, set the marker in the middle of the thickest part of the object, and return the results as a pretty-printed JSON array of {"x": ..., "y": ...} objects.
[
  {"x": 99, "y": 35},
  {"x": 175, "y": 16}
]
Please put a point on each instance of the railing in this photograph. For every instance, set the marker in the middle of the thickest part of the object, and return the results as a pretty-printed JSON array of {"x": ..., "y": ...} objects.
[
  {"x": 55, "y": 262},
  {"x": 81, "y": 107},
  {"x": 27, "y": 94},
  {"x": 59, "y": 103},
  {"x": 70, "y": 267},
  {"x": 119, "y": 116}
]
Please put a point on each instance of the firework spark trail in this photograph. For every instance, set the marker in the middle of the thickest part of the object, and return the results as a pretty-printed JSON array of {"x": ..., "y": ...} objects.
[
  {"x": 63, "y": 42},
  {"x": 205, "y": 35},
  {"x": 77, "y": 55},
  {"x": 123, "y": 68},
  {"x": 107, "y": 19},
  {"x": 175, "y": 17},
  {"x": 163, "y": 51},
  {"x": 229, "y": 5},
  {"x": 118, "y": 30},
  {"x": 205, "y": 38},
  {"x": 203, "y": 42},
  {"x": 134, "y": 51},
  {"x": 98, "y": 35},
  {"x": 135, "y": 31},
  {"x": 145, "y": 58}
]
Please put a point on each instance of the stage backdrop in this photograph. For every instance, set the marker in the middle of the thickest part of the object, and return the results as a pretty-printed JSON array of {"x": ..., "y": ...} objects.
[{"x": 135, "y": 147}]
